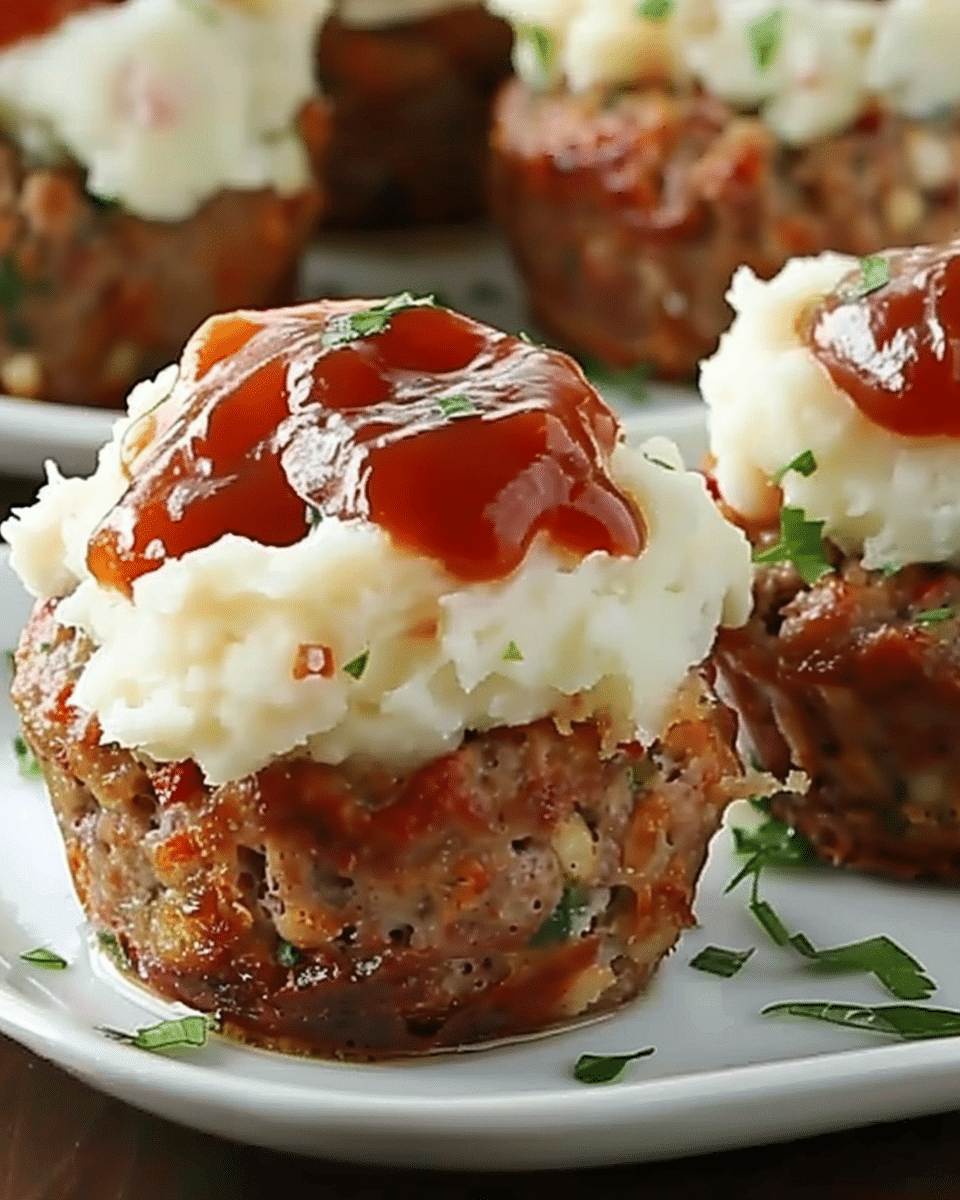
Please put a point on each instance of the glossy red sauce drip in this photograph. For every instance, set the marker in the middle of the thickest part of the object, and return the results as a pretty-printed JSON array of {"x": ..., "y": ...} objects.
[
  {"x": 284, "y": 422},
  {"x": 21, "y": 19},
  {"x": 896, "y": 351}
]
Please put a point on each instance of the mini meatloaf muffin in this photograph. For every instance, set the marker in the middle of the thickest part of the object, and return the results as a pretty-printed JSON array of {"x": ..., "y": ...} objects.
[
  {"x": 834, "y": 414},
  {"x": 638, "y": 160},
  {"x": 154, "y": 169},
  {"x": 366, "y": 676},
  {"x": 411, "y": 86}
]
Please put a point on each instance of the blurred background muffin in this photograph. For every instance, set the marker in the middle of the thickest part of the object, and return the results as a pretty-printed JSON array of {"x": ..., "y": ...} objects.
[
  {"x": 649, "y": 147},
  {"x": 154, "y": 168},
  {"x": 411, "y": 84}
]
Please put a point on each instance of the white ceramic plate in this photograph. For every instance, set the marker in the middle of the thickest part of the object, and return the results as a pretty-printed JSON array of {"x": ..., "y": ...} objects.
[
  {"x": 469, "y": 269},
  {"x": 721, "y": 1075}
]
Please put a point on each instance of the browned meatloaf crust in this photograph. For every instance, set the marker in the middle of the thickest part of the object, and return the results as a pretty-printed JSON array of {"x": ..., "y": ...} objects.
[
  {"x": 411, "y": 117},
  {"x": 628, "y": 212},
  {"x": 843, "y": 681},
  {"x": 501, "y": 889},
  {"x": 93, "y": 299}
]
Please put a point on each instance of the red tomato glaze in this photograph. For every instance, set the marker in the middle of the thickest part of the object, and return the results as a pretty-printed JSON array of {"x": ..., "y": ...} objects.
[
  {"x": 20, "y": 19},
  {"x": 461, "y": 442},
  {"x": 896, "y": 350}
]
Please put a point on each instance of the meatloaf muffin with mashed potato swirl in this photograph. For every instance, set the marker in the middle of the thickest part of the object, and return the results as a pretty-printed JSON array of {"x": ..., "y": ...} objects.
[
  {"x": 155, "y": 168},
  {"x": 366, "y": 675},
  {"x": 834, "y": 416},
  {"x": 649, "y": 149}
]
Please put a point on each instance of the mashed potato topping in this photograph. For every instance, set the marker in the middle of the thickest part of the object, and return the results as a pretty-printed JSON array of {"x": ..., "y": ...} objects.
[
  {"x": 202, "y": 662},
  {"x": 166, "y": 102},
  {"x": 889, "y": 497},
  {"x": 809, "y": 66}
]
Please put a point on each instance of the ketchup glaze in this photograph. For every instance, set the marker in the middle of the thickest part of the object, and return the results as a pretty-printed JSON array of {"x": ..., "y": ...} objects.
[
  {"x": 21, "y": 19},
  {"x": 462, "y": 443},
  {"x": 894, "y": 349}
]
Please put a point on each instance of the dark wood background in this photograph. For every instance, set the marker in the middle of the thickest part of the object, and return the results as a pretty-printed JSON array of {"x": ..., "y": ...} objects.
[{"x": 59, "y": 1140}]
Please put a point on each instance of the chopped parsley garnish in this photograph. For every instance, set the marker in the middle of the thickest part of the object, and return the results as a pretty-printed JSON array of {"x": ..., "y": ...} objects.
[
  {"x": 772, "y": 844},
  {"x": 13, "y": 290},
  {"x": 899, "y": 972},
  {"x": 110, "y": 945},
  {"x": 287, "y": 954},
  {"x": 660, "y": 462},
  {"x": 26, "y": 760},
  {"x": 655, "y": 10},
  {"x": 804, "y": 464},
  {"x": 605, "y": 1068},
  {"x": 183, "y": 1031},
  {"x": 356, "y": 666},
  {"x": 765, "y": 34},
  {"x": 632, "y": 381},
  {"x": 801, "y": 543},
  {"x": 48, "y": 959},
  {"x": 313, "y": 515},
  {"x": 512, "y": 653},
  {"x": 933, "y": 616},
  {"x": 8, "y": 659},
  {"x": 558, "y": 927},
  {"x": 890, "y": 568},
  {"x": 348, "y": 327},
  {"x": 909, "y": 1022},
  {"x": 716, "y": 960},
  {"x": 457, "y": 406},
  {"x": 543, "y": 44},
  {"x": 874, "y": 273}
]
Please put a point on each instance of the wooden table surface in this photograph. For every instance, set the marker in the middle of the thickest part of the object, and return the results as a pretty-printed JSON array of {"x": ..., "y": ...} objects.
[{"x": 59, "y": 1140}]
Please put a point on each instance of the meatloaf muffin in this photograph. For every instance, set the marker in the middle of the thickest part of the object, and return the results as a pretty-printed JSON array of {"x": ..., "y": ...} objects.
[
  {"x": 638, "y": 160},
  {"x": 154, "y": 169},
  {"x": 365, "y": 675},
  {"x": 411, "y": 87},
  {"x": 833, "y": 414}
]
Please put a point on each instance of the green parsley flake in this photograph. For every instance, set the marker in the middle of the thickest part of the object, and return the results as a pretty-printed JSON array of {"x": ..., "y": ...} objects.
[
  {"x": 184, "y": 1031},
  {"x": 9, "y": 660},
  {"x": 543, "y": 44},
  {"x": 348, "y": 327},
  {"x": 660, "y": 462},
  {"x": 26, "y": 760},
  {"x": 287, "y": 954},
  {"x": 457, "y": 406},
  {"x": 801, "y": 543},
  {"x": 558, "y": 927},
  {"x": 804, "y": 464},
  {"x": 933, "y": 616},
  {"x": 313, "y": 516},
  {"x": 110, "y": 945},
  {"x": 48, "y": 959},
  {"x": 356, "y": 666},
  {"x": 632, "y": 382},
  {"x": 605, "y": 1068},
  {"x": 716, "y": 960},
  {"x": 765, "y": 34},
  {"x": 908, "y": 1022},
  {"x": 655, "y": 10},
  {"x": 874, "y": 273},
  {"x": 512, "y": 653}
]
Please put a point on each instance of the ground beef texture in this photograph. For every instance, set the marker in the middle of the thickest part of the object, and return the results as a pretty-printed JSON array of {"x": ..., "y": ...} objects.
[{"x": 514, "y": 885}]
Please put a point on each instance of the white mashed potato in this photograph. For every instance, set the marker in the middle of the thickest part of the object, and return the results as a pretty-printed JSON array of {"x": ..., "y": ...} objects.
[
  {"x": 166, "y": 102},
  {"x": 808, "y": 66},
  {"x": 890, "y": 498},
  {"x": 201, "y": 662}
]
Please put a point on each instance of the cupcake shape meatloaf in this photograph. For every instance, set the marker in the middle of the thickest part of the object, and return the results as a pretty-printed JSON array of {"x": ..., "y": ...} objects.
[
  {"x": 648, "y": 149},
  {"x": 834, "y": 414},
  {"x": 154, "y": 169},
  {"x": 411, "y": 86},
  {"x": 365, "y": 676}
]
